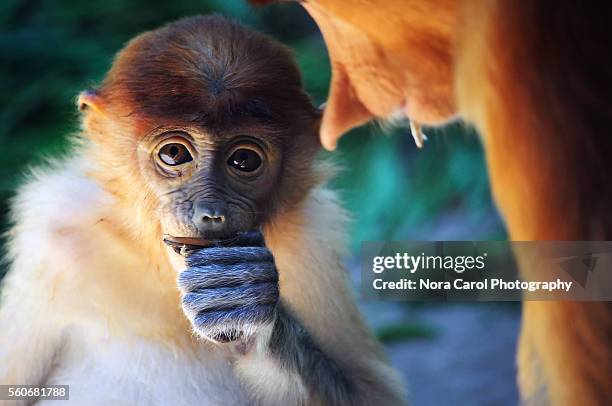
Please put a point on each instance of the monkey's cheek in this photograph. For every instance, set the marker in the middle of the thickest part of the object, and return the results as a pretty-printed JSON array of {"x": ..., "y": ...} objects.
[{"x": 177, "y": 261}]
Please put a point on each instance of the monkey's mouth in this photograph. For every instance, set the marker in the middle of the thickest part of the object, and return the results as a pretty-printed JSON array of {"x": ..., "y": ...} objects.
[{"x": 185, "y": 245}]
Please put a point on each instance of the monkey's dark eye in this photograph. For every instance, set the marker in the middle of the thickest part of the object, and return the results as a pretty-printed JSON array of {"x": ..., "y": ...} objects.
[
  {"x": 174, "y": 154},
  {"x": 245, "y": 160}
]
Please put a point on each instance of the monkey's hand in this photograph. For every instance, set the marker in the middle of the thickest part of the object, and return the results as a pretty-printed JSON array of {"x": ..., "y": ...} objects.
[{"x": 230, "y": 292}]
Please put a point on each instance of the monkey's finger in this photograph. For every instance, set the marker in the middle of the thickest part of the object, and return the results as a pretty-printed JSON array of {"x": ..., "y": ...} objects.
[
  {"x": 203, "y": 277},
  {"x": 226, "y": 299},
  {"x": 228, "y": 256},
  {"x": 253, "y": 238},
  {"x": 241, "y": 319}
]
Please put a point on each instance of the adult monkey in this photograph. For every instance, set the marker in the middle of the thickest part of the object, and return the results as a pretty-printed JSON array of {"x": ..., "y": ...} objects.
[{"x": 534, "y": 77}]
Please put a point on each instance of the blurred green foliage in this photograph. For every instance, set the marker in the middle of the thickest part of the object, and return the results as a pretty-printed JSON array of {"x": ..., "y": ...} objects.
[
  {"x": 405, "y": 331},
  {"x": 52, "y": 49}
]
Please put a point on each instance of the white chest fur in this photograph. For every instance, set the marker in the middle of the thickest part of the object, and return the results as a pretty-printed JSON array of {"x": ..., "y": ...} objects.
[{"x": 138, "y": 371}]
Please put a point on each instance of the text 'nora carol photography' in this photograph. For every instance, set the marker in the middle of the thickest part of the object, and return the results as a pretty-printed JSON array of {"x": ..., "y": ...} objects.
[{"x": 486, "y": 270}]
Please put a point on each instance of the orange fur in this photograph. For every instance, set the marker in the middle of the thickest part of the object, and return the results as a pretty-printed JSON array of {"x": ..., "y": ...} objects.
[
  {"x": 538, "y": 154},
  {"x": 534, "y": 79}
]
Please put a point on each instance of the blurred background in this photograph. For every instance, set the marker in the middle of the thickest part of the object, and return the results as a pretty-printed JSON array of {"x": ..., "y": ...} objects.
[{"x": 450, "y": 353}]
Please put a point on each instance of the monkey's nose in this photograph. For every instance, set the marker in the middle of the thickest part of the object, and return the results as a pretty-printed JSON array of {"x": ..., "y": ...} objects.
[
  {"x": 209, "y": 217},
  {"x": 214, "y": 218}
]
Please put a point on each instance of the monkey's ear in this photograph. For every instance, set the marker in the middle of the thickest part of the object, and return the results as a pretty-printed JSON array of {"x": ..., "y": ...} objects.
[{"x": 89, "y": 100}]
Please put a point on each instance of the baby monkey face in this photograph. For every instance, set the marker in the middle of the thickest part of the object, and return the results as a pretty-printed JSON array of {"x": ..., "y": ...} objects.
[
  {"x": 210, "y": 186},
  {"x": 225, "y": 134}
]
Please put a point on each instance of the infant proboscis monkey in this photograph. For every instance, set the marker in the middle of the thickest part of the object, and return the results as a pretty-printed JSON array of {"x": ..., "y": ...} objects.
[{"x": 202, "y": 137}]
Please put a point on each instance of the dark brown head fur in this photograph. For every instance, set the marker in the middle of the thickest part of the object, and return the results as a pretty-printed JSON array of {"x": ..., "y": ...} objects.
[{"x": 209, "y": 70}]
